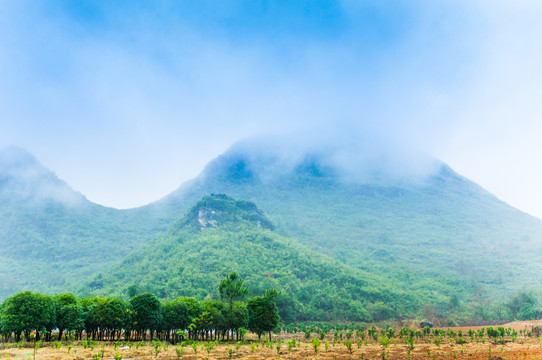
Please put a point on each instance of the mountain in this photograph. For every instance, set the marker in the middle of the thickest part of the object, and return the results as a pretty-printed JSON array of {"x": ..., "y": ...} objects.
[
  {"x": 430, "y": 231},
  {"x": 219, "y": 235},
  {"x": 414, "y": 226},
  {"x": 51, "y": 237}
]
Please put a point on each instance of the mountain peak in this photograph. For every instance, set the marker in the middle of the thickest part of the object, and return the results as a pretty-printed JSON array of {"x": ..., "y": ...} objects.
[
  {"x": 219, "y": 210},
  {"x": 13, "y": 157},
  {"x": 23, "y": 177},
  {"x": 267, "y": 159}
]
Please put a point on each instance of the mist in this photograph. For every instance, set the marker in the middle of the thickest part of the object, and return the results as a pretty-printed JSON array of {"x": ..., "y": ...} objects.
[
  {"x": 127, "y": 101},
  {"x": 22, "y": 175}
]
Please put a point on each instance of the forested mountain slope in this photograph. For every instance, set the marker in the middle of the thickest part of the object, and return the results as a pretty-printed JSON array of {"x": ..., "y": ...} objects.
[
  {"x": 52, "y": 237},
  {"x": 438, "y": 233},
  {"x": 219, "y": 235},
  {"x": 433, "y": 234}
]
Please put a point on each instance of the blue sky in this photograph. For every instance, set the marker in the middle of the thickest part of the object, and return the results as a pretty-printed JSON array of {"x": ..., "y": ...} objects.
[{"x": 125, "y": 100}]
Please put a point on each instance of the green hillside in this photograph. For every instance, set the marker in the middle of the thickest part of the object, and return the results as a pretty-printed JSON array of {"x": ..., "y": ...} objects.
[
  {"x": 219, "y": 235},
  {"x": 51, "y": 237},
  {"x": 436, "y": 237},
  {"x": 440, "y": 235}
]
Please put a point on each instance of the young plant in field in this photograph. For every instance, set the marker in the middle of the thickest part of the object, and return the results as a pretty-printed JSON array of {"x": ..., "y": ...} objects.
[
  {"x": 384, "y": 343},
  {"x": 179, "y": 351},
  {"x": 208, "y": 346},
  {"x": 409, "y": 341},
  {"x": 359, "y": 342},
  {"x": 57, "y": 344},
  {"x": 348, "y": 345},
  {"x": 37, "y": 346},
  {"x": 390, "y": 332},
  {"x": 253, "y": 347},
  {"x": 117, "y": 356},
  {"x": 69, "y": 348},
  {"x": 316, "y": 345},
  {"x": 230, "y": 353},
  {"x": 326, "y": 346},
  {"x": 194, "y": 346},
  {"x": 157, "y": 344},
  {"x": 99, "y": 355}
]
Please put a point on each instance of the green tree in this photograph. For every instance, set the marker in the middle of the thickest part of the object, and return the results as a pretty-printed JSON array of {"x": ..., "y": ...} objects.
[
  {"x": 240, "y": 317},
  {"x": 230, "y": 289},
  {"x": 176, "y": 316},
  {"x": 146, "y": 313},
  {"x": 217, "y": 315},
  {"x": 263, "y": 312},
  {"x": 114, "y": 316},
  {"x": 90, "y": 314},
  {"x": 27, "y": 311},
  {"x": 522, "y": 305},
  {"x": 69, "y": 313}
]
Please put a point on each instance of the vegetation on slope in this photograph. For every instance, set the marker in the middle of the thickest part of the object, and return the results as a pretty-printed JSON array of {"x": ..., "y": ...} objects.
[
  {"x": 440, "y": 236},
  {"x": 190, "y": 258},
  {"x": 52, "y": 237}
]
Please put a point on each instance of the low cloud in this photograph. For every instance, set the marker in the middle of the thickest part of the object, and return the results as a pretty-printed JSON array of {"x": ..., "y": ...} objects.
[{"x": 126, "y": 101}]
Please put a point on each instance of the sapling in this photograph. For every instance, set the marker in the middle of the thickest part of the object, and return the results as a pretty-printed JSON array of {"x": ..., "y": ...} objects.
[
  {"x": 36, "y": 348},
  {"x": 348, "y": 345},
  {"x": 179, "y": 351},
  {"x": 316, "y": 344},
  {"x": 384, "y": 343}
]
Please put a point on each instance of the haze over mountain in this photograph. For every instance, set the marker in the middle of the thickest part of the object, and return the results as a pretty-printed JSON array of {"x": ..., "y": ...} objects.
[{"x": 419, "y": 228}]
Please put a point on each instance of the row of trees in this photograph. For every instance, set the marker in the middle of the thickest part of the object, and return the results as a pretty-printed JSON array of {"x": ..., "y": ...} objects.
[{"x": 100, "y": 318}]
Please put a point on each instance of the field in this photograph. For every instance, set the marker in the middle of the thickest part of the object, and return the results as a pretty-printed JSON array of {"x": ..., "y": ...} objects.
[{"x": 522, "y": 347}]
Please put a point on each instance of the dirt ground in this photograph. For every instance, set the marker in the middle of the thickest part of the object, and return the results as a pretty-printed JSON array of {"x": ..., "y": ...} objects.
[{"x": 522, "y": 348}]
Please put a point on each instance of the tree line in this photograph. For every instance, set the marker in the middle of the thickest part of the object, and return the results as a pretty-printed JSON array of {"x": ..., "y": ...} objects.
[{"x": 27, "y": 314}]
